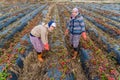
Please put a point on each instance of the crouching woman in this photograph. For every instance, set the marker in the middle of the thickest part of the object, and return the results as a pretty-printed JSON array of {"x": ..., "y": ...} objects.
[{"x": 39, "y": 37}]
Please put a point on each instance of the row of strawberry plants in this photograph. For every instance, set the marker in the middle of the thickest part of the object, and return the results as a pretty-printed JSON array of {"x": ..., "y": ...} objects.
[
  {"x": 21, "y": 24},
  {"x": 8, "y": 7},
  {"x": 6, "y": 61},
  {"x": 13, "y": 13},
  {"x": 96, "y": 62},
  {"x": 113, "y": 16},
  {"x": 103, "y": 42},
  {"x": 8, "y": 29},
  {"x": 105, "y": 13},
  {"x": 107, "y": 20},
  {"x": 110, "y": 7},
  {"x": 2, "y": 11},
  {"x": 14, "y": 18},
  {"x": 104, "y": 8},
  {"x": 5, "y": 7},
  {"x": 113, "y": 24},
  {"x": 101, "y": 24}
]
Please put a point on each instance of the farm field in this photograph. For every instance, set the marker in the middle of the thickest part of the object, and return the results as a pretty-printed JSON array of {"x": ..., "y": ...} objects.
[{"x": 98, "y": 59}]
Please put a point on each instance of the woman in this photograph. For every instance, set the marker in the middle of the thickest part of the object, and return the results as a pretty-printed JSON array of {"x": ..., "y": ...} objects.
[
  {"x": 39, "y": 37},
  {"x": 76, "y": 27}
]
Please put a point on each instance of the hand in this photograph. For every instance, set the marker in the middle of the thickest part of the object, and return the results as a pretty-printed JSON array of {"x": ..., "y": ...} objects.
[
  {"x": 66, "y": 32},
  {"x": 46, "y": 46},
  {"x": 84, "y": 36}
]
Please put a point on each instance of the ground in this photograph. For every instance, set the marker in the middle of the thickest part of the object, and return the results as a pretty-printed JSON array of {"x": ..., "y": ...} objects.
[{"x": 98, "y": 58}]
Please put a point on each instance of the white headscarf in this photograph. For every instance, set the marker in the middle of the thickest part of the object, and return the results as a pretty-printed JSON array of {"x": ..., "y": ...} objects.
[{"x": 75, "y": 10}]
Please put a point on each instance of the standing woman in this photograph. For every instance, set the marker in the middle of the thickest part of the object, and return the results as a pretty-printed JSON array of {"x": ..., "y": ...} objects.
[
  {"x": 76, "y": 28},
  {"x": 39, "y": 37}
]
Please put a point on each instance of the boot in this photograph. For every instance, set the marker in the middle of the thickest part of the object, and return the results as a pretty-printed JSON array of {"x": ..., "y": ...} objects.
[
  {"x": 40, "y": 57},
  {"x": 74, "y": 55}
]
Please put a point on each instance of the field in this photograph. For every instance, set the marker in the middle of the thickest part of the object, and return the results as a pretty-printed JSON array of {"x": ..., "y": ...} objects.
[{"x": 98, "y": 59}]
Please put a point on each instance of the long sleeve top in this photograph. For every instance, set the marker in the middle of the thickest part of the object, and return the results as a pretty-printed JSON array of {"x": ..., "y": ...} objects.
[
  {"x": 76, "y": 25},
  {"x": 41, "y": 31}
]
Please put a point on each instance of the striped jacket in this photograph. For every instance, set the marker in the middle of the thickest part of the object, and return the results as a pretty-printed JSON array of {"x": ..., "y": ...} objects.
[{"x": 76, "y": 25}]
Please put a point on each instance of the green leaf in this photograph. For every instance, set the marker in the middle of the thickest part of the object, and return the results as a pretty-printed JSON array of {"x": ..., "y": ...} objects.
[
  {"x": 63, "y": 75},
  {"x": 19, "y": 49},
  {"x": 52, "y": 78}
]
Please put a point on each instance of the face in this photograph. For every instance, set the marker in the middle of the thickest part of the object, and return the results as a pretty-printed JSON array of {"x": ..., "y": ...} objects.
[
  {"x": 74, "y": 13},
  {"x": 51, "y": 29}
]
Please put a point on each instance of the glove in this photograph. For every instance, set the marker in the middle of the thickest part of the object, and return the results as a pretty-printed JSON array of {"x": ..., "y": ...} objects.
[
  {"x": 84, "y": 36},
  {"x": 66, "y": 32},
  {"x": 46, "y": 46}
]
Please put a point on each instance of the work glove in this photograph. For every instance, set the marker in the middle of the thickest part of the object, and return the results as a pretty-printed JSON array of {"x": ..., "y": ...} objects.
[
  {"x": 84, "y": 35},
  {"x": 66, "y": 32},
  {"x": 46, "y": 46}
]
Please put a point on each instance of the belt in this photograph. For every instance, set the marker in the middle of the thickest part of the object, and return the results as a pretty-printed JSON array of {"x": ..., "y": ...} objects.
[{"x": 32, "y": 35}]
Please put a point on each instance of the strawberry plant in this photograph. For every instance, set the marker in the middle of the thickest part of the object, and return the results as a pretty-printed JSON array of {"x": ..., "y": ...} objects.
[{"x": 3, "y": 75}]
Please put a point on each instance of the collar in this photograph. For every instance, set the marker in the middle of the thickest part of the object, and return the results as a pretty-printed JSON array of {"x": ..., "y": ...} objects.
[
  {"x": 77, "y": 15},
  {"x": 45, "y": 25}
]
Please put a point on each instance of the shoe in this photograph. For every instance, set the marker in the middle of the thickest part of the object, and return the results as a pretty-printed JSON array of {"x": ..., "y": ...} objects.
[
  {"x": 40, "y": 58},
  {"x": 75, "y": 55}
]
